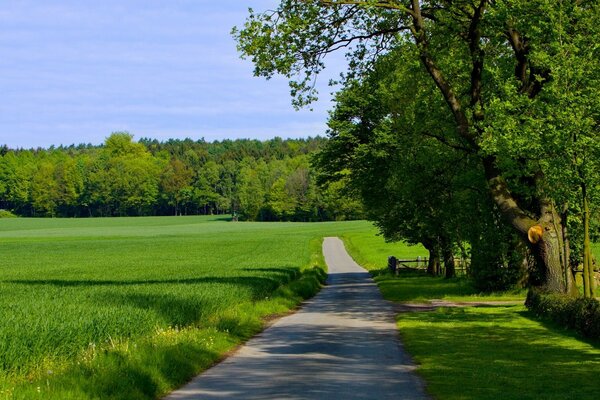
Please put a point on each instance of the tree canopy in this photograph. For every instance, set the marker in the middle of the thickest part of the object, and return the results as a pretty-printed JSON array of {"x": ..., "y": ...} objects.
[
  {"x": 270, "y": 180},
  {"x": 518, "y": 80}
]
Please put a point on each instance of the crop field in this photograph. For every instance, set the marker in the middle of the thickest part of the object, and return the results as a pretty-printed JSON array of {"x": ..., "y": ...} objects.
[{"x": 132, "y": 307}]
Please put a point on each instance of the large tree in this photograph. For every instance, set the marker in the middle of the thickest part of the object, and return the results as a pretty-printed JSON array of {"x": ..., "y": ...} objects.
[{"x": 493, "y": 62}]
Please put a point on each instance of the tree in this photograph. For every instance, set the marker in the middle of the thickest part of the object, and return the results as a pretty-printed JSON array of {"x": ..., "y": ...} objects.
[
  {"x": 44, "y": 190},
  {"x": 491, "y": 61},
  {"x": 385, "y": 144},
  {"x": 175, "y": 183}
]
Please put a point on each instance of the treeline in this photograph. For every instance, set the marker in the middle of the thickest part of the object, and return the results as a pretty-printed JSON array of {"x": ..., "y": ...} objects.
[{"x": 256, "y": 180}]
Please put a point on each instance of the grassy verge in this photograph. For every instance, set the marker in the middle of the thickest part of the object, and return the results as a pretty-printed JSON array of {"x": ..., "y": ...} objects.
[
  {"x": 478, "y": 353},
  {"x": 499, "y": 353},
  {"x": 131, "y": 308},
  {"x": 371, "y": 251}
]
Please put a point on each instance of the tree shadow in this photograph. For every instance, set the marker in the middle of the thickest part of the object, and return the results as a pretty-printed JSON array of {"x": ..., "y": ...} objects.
[
  {"x": 236, "y": 280},
  {"x": 481, "y": 355}
]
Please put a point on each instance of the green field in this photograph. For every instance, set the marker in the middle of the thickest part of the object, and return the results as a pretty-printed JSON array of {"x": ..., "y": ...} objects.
[{"x": 132, "y": 307}]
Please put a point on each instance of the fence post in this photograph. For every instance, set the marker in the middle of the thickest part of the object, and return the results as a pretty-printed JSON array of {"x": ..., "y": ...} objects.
[{"x": 392, "y": 264}]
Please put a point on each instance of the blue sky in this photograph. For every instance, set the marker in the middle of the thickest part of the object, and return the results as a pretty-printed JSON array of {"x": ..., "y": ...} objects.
[{"x": 75, "y": 71}]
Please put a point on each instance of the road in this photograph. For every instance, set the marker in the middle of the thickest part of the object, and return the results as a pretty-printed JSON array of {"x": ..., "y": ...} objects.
[{"x": 342, "y": 344}]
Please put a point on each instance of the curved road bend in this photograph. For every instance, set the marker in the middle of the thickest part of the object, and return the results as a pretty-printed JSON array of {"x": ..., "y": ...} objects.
[{"x": 342, "y": 344}]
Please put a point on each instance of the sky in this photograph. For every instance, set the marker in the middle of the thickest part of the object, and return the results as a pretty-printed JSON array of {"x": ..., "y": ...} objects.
[{"x": 75, "y": 71}]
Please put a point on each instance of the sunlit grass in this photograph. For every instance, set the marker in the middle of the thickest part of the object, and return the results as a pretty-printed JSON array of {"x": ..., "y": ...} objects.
[
  {"x": 132, "y": 307},
  {"x": 479, "y": 353},
  {"x": 499, "y": 353}
]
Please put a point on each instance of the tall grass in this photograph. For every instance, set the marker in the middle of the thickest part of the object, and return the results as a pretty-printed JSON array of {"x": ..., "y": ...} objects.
[{"x": 144, "y": 302}]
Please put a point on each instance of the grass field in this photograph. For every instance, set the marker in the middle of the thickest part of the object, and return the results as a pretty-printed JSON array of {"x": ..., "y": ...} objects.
[
  {"x": 132, "y": 307},
  {"x": 496, "y": 352}
]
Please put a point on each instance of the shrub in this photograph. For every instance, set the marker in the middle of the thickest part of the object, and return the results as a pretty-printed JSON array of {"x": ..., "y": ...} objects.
[
  {"x": 497, "y": 263},
  {"x": 580, "y": 314},
  {"x": 6, "y": 214}
]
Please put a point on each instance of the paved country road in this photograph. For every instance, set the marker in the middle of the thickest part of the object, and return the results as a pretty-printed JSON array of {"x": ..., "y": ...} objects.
[{"x": 342, "y": 344}]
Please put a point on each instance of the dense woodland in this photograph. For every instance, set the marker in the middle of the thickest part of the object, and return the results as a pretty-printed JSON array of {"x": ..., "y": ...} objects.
[{"x": 268, "y": 181}]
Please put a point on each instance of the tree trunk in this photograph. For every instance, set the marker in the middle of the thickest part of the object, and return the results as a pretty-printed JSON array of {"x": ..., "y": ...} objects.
[
  {"x": 448, "y": 256},
  {"x": 588, "y": 269},
  {"x": 569, "y": 275},
  {"x": 544, "y": 235},
  {"x": 433, "y": 266}
]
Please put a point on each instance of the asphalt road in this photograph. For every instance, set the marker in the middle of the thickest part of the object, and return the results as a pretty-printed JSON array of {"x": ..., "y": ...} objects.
[{"x": 342, "y": 344}]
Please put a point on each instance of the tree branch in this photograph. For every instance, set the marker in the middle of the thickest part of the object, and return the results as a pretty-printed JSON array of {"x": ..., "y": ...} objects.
[
  {"x": 438, "y": 77},
  {"x": 388, "y": 5},
  {"x": 446, "y": 142},
  {"x": 477, "y": 56}
]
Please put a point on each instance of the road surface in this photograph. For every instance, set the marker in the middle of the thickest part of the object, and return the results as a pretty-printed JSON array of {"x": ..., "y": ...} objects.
[{"x": 342, "y": 344}]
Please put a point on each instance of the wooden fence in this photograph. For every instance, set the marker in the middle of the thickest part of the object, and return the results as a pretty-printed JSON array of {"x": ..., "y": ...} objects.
[{"x": 395, "y": 265}]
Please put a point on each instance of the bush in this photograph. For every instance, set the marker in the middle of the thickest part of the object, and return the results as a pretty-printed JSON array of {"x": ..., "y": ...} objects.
[
  {"x": 580, "y": 314},
  {"x": 6, "y": 214},
  {"x": 497, "y": 263}
]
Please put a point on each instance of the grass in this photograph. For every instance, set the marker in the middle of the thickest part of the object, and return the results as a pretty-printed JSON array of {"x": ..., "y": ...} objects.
[
  {"x": 131, "y": 308},
  {"x": 371, "y": 251},
  {"x": 479, "y": 353},
  {"x": 499, "y": 353}
]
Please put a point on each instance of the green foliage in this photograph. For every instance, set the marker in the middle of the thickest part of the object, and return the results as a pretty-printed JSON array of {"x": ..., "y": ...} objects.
[
  {"x": 271, "y": 180},
  {"x": 499, "y": 259},
  {"x": 6, "y": 214},
  {"x": 580, "y": 314},
  {"x": 504, "y": 92},
  {"x": 147, "y": 302}
]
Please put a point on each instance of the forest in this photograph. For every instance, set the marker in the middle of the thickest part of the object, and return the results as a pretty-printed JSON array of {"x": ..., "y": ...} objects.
[{"x": 254, "y": 180}]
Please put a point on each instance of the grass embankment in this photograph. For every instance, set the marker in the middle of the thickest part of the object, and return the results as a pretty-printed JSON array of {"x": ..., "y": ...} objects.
[
  {"x": 478, "y": 353},
  {"x": 131, "y": 308}
]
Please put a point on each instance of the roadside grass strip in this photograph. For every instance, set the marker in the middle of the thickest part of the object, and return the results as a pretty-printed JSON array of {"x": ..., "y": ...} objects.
[
  {"x": 131, "y": 308},
  {"x": 484, "y": 352},
  {"x": 481, "y": 353}
]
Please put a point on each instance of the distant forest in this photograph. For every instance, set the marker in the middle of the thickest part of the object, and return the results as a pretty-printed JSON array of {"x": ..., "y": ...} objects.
[{"x": 255, "y": 180}]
